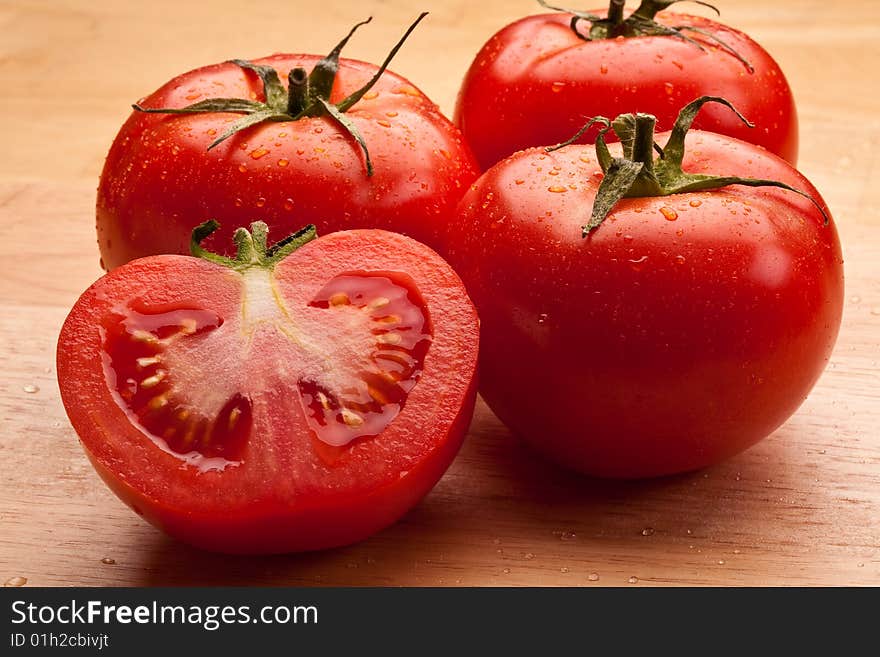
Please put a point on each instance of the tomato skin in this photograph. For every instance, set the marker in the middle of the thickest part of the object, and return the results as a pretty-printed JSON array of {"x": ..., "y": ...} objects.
[
  {"x": 159, "y": 179},
  {"x": 283, "y": 496},
  {"x": 535, "y": 83},
  {"x": 653, "y": 346}
]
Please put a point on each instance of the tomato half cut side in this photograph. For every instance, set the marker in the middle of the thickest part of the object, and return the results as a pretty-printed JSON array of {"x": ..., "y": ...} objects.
[
  {"x": 279, "y": 408},
  {"x": 402, "y": 334},
  {"x": 135, "y": 344}
]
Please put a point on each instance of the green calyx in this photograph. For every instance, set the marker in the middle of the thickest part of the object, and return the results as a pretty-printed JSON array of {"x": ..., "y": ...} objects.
[
  {"x": 252, "y": 249},
  {"x": 641, "y": 23},
  {"x": 307, "y": 95},
  {"x": 639, "y": 174}
]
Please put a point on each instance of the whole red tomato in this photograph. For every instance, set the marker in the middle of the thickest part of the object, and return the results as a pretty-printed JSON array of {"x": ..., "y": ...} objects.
[
  {"x": 645, "y": 321},
  {"x": 536, "y": 80},
  {"x": 276, "y": 401},
  {"x": 354, "y": 146}
]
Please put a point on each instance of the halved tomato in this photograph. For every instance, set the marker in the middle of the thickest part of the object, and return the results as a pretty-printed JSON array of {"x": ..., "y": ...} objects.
[{"x": 288, "y": 399}]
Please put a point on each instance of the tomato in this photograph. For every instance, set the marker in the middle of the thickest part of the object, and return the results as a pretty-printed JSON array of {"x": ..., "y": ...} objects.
[
  {"x": 679, "y": 330},
  {"x": 263, "y": 405},
  {"x": 534, "y": 82},
  {"x": 298, "y": 165}
]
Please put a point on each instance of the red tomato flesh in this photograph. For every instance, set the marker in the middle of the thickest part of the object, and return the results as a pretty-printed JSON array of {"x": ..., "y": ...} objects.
[{"x": 296, "y": 409}]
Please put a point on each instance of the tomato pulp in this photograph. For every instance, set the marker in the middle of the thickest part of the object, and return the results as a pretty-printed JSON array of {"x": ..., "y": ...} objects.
[{"x": 274, "y": 409}]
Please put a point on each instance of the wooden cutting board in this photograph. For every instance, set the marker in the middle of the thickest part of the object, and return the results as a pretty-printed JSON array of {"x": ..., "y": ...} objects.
[{"x": 801, "y": 508}]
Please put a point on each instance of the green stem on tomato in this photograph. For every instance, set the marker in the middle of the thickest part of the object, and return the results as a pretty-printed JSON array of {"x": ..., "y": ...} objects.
[
  {"x": 641, "y": 22},
  {"x": 307, "y": 95},
  {"x": 297, "y": 90},
  {"x": 251, "y": 246},
  {"x": 615, "y": 15},
  {"x": 638, "y": 174}
]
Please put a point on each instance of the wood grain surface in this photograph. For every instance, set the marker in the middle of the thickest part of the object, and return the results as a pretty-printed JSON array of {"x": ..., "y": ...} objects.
[{"x": 801, "y": 508}]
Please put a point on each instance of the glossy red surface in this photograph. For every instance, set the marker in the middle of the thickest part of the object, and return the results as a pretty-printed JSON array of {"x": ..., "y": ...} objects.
[
  {"x": 681, "y": 331},
  {"x": 160, "y": 181},
  {"x": 535, "y": 83}
]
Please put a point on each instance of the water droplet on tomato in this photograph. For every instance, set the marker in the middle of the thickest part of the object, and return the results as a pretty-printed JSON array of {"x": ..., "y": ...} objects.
[
  {"x": 258, "y": 153},
  {"x": 627, "y": 238},
  {"x": 242, "y": 168},
  {"x": 638, "y": 264},
  {"x": 528, "y": 556},
  {"x": 283, "y": 163},
  {"x": 15, "y": 581},
  {"x": 680, "y": 260},
  {"x": 648, "y": 531},
  {"x": 633, "y": 580},
  {"x": 31, "y": 389},
  {"x": 875, "y": 310},
  {"x": 557, "y": 189},
  {"x": 261, "y": 202},
  {"x": 556, "y": 87},
  {"x": 668, "y": 213},
  {"x": 407, "y": 90},
  {"x": 593, "y": 577},
  {"x": 288, "y": 204},
  {"x": 370, "y": 95},
  {"x": 384, "y": 123},
  {"x": 506, "y": 571},
  {"x": 695, "y": 203},
  {"x": 564, "y": 569},
  {"x": 542, "y": 318},
  {"x": 108, "y": 561},
  {"x": 603, "y": 69},
  {"x": 721, "y": 562},
  {"x": 519, "y": 181}
]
